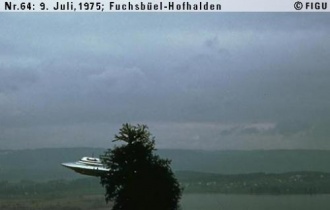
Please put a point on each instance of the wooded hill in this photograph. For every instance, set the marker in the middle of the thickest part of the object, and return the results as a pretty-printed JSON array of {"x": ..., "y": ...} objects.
[{"x": 45, "y": 164}]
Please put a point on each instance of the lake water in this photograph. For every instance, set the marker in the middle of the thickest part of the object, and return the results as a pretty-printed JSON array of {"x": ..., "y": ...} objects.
[{"x": 254, "y": 202}]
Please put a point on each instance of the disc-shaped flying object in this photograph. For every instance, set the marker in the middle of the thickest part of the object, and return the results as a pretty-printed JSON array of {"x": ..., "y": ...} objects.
[{"x": 88, "y": 166}]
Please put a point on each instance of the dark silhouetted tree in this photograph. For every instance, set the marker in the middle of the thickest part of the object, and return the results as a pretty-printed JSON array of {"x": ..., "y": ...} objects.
[{"x": 139, "y": 179}]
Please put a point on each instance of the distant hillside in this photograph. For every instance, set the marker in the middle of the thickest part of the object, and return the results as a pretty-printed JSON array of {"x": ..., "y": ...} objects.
[
  {"x": 44, "y": 164},
  {"x": 41, "y": 164},
  {"x": 192, "y": 182},
  {"x": 238, "y": 162}
]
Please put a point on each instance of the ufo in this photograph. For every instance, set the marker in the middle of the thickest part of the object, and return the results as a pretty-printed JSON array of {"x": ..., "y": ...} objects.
[{"x": 88, "y": 166}]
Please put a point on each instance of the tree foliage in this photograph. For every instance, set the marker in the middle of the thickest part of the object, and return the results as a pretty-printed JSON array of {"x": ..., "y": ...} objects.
[{"x": 139, "y": 179}]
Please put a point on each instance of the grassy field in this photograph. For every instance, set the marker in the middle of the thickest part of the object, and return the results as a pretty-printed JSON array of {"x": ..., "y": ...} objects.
[
  {"x": 81, "y": 202},
  {"x": 80, "y": 194}
]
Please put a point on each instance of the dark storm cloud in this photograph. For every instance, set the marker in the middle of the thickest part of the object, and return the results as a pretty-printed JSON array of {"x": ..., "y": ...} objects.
[{"x": 221, "y": 73}]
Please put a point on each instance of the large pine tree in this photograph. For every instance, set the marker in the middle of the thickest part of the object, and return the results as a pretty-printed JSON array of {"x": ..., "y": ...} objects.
[{"x": 139, "y": 179}]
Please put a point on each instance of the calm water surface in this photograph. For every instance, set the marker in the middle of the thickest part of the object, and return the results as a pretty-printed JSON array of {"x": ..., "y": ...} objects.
[{"x": 254, "y": 202}]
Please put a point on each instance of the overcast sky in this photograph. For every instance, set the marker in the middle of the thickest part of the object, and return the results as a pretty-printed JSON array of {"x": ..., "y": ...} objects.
[{"x": 199, "y": 81}]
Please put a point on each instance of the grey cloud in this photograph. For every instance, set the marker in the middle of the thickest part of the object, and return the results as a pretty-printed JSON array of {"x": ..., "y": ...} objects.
[
  {"x": 291, "y": 127},
  {"x": 120, "y": 80},
  {"x": 15, "y": 79},
  {"x": 58, "y": 136},
  {"x": 178, "y": 69}
]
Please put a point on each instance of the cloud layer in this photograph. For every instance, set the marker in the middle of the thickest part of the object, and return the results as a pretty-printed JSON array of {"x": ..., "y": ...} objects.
[{"x": 211, "y": 81}]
